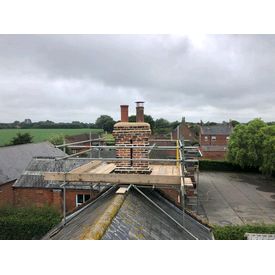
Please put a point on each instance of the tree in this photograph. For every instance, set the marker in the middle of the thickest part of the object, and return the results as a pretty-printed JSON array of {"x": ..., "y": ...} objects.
[
  {"x": 162, "y": 126},
  {"x": 234, "y": 123},
  {"x": 21, "y": 139},
  {"x": 174, "y": 124},
  {"x": 268, "y": 163},
  {"x": 105, "y": 122},
  {"x": 253, "y": 145},
  {"x": 162, "y": 123},
  {"x": 246, "y": 144}
]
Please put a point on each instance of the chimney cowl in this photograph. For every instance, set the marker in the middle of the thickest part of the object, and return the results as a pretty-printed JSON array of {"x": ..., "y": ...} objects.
[{"x": 139, "y": 111}]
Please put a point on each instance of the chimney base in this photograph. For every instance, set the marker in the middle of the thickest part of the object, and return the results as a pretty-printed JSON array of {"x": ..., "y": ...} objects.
[{"x": 133, "y": 170}]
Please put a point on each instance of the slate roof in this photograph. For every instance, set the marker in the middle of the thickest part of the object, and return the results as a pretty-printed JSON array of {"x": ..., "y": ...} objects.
[
  {"x": 138, "y": 218},
  {"x": 14, "y": 159},
  {"x": 33, "y": 175},
  {"x": 85, "y": 218},
  {"x": 220, "y": 129}
]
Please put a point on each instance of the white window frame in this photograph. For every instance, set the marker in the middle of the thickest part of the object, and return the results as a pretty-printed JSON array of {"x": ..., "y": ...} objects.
[
  {"x": 83, "y": 197},
  {"x": 213, "y": 138},
  {"x": 206, "y": 138}
]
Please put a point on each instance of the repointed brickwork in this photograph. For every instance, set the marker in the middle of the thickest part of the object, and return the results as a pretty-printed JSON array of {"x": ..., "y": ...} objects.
[{"x": 132, "y": 134}]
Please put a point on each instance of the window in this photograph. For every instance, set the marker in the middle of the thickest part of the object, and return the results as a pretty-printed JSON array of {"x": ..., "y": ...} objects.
[
  {"x": 81, "y": 198},
  {"x": 213, "y": 137},
  {"x": 205, "y": 138},
  {"x": 227, "y": 138}
]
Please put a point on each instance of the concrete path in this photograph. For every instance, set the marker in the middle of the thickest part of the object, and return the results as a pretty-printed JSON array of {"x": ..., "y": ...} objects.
[{"x": 237, "y": 198}]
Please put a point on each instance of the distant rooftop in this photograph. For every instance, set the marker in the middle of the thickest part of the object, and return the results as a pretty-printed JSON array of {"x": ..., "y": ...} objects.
[
  {"x": 214, "y": 148},
  {"x": 32, "y": 176},
  {"x": 221, "y": 129},
  {"x": 15, "y": 159}
]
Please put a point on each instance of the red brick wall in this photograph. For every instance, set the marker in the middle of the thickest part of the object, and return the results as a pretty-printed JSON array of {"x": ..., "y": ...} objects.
[
  {"x": 172, "y": 195},
  {"x": 162, "y": 154},
  {"x": 220, "y": 140},
  {"x": 214, "y": 155},
  {"x": 184, "y": 131},
  {"x": 40, "y": 197},
  {"x": 32, "y": 196},
  {"x": 71, "y": 197},
  {"x": 6, "y": 193},
  {"x": 127, "y": 133}
]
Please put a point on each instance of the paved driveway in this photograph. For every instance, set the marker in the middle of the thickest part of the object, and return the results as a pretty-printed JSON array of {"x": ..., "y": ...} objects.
[{"x": 237, "y": 198}]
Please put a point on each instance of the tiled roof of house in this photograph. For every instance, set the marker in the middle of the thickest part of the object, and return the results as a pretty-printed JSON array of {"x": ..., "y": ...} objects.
[
  {"x": 214, "y": 148},
  {"x": 14, "y": 159},
  {"x": 220, "y": 129},
  {"x": 33, "y": 174},
  {"x": 149, "y": 217},
  {"x": 138, "y": 218}
]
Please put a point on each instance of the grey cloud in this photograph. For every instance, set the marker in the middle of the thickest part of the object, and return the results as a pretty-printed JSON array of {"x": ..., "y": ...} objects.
[{"x": 78, "y": 77}]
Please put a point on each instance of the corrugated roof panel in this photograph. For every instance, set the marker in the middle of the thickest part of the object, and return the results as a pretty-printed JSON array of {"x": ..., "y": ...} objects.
[{"x": 15, "y": 159}]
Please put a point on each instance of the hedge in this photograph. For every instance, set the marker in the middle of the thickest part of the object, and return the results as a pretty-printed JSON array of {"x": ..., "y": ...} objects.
[
  {"x": 27, "y": 223},
  {"x": 219, "y": 165},
  {"x": 237, "y": 232}
]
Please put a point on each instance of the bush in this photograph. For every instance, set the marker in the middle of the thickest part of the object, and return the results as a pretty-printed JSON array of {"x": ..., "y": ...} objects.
[
  {"x": 21, "y": 139},
  {"x": 56, "y": 139},
  {"x": 237, "y": 232},
  {"x": 26, "y": 223},
  {"x": 219, "y": 165}
]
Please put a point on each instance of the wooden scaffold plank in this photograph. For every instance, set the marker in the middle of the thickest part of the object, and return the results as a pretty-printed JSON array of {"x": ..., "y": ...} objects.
[{"x": 141, "y": 179}]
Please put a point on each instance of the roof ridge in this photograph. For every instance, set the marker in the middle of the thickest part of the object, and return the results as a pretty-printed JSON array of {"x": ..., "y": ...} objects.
[
  {"x": 25, "y": 144},
  {"x": 97, "y": 230}
]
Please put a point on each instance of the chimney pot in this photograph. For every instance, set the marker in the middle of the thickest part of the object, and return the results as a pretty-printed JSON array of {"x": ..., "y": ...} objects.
[
  {"x": 124, "y": 113},
  {"x": 140, "y": 111}
]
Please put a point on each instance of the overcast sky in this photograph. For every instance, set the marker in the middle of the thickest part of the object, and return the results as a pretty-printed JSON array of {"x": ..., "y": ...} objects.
[{"x": 79, "y": 77}]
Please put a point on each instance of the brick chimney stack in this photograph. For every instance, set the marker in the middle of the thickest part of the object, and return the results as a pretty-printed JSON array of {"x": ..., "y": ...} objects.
[
  {"x": 140, "y": 111},
  {"x": 133, "y": 139},
  {"x": 124, "y": 113}
]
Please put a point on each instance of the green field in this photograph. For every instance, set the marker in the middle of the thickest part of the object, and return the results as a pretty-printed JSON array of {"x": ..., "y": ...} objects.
[{"x": 41, "y": 134}]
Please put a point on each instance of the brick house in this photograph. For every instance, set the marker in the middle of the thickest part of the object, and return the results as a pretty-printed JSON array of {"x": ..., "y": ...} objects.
[
  {"x": 31, "y": 188},
  {"x": 214, "y": 140},
  {"x": 184, "y": 130},
  {"x": 22, "y": 183},
  {"x": 13, "y": 161}
]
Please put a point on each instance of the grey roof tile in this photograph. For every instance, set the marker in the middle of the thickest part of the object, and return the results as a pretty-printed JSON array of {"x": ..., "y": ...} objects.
[
  {"x": 137, "y": 219},
  {"x": 33, "y": 175},
  {"x": 146, "y": 221},
  {"x": 220, "y": 129},
  {"x": 14, "y": 159}
]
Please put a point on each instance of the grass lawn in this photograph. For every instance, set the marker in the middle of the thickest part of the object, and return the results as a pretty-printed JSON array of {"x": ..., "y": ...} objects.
[{"x": 41, "y": 134}]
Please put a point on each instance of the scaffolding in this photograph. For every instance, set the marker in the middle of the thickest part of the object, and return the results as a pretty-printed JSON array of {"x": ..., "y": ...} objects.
[{"x": 184, "y": 176}]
